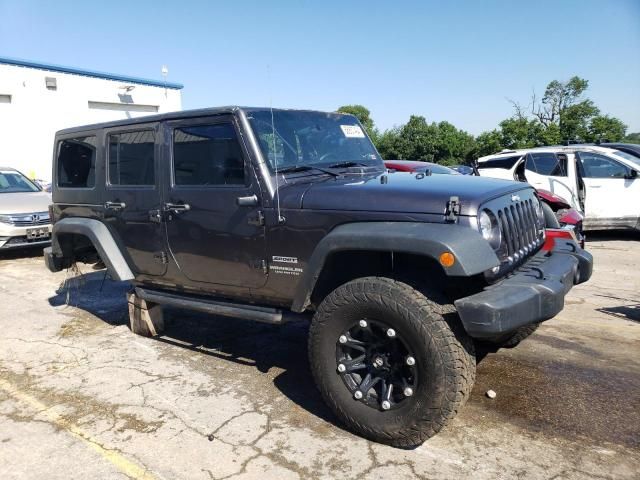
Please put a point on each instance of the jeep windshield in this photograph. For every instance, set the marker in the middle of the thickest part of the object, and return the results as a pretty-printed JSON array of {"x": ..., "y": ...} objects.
[
  {"x": 15, "y": 182},
  {"x": 293, "y": 141}
]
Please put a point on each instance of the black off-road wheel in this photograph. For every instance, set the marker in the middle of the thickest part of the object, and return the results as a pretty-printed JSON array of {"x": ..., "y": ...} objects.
[{"x": 393, "y": 363}]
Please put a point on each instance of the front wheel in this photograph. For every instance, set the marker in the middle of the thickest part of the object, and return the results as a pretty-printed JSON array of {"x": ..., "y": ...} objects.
[{"x": 393, "y": 363}]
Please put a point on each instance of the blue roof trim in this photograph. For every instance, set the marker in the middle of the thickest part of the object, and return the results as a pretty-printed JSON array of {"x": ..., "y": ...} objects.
[{"x": 88, "y": 73}]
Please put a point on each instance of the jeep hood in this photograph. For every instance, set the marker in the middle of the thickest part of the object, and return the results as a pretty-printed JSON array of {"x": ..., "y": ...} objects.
[
  {"x": 24, "y": 202},
  {"x": 404, "y": 192}
]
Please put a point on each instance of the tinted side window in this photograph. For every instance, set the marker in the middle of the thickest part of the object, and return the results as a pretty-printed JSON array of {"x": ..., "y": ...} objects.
[
  {"x": 505, "y": 162},
  {"x": 547, "y": 163},
  {"x": 599, "y": 166},
  {"x": 77, "y": 162},
  {"x": 131, "y": 158},
  {"x": 207, "y": 155}
]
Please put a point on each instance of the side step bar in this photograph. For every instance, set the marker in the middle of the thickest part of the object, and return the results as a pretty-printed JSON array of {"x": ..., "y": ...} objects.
[{"x": 215, "y": 307}]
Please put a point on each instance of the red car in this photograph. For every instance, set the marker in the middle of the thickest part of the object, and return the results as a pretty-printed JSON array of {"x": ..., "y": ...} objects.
[{"x": 419, "y": 167}]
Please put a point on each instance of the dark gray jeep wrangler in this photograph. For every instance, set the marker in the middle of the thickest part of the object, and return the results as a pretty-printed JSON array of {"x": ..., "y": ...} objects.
[{"x": 268, "y": 214}]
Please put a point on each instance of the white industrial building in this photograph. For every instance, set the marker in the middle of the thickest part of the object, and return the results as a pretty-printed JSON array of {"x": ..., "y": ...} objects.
[{"x": 37, "y": 99}]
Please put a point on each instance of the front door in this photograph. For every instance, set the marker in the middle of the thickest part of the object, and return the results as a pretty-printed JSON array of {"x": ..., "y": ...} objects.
[
  {"x": 133, "y": 196},
  {"x": 215, "y": 230},
  {"x": 612, "y": 195}
]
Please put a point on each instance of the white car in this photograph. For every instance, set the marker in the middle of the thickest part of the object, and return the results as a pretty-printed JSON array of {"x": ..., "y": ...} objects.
[
  {"x": 24, "y": 212},
  {"x": 602, "y": 183}
]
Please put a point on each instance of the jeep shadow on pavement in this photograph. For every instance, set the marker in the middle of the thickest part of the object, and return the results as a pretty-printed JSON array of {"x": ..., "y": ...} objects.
[{"x": 270, "y": 215}]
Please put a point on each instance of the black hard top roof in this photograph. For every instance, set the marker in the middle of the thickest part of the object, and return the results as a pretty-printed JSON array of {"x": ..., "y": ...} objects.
[{"x": 201, "y": 112}]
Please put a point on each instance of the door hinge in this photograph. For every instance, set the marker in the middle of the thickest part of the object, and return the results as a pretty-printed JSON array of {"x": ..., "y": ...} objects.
[
  {"x": 161, "y": 257},
  {"x": 453, "y": 209},
  {"x": 155, "y": 216},
  {"x": 258, "y": 220}
]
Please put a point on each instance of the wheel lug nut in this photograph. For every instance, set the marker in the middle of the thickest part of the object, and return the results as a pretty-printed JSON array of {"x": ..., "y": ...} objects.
[
  {"x": 411, "y": 361},
  {"x": 363, "y": 323},
  {"x": 343, "y": 339},
  {"x": 358, "y": 395},
  {"x": 391, "y": 333},
  {"x": 386, "y": 405},
  {"x": 408, "y": 392},
  {"x": 341, "y": 368}
]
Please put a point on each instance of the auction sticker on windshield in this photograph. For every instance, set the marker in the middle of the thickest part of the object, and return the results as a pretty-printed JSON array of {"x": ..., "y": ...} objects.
[{"x": 352, "y": 131}]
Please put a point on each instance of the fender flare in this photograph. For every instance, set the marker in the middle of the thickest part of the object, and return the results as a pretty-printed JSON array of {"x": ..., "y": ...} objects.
[
  {"x": 101, "y": 238},
  {"x": 472, "y": 253}
]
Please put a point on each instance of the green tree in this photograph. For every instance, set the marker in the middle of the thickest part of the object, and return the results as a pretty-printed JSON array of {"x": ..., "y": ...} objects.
[
  {"x": 420, "y": 140},
  {"x": 605, "y": 128},
  {"x": 632, "y": 138},
  {"x": 488, "y": 143},
  {"x": 564, "y": 107}
]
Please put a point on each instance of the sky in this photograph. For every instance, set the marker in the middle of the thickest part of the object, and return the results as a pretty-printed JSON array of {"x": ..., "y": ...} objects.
[{"x": 459, "y": 61}]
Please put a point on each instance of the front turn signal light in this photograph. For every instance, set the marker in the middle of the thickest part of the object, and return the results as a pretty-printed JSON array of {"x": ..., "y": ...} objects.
[{"x": 447, "y": 259}]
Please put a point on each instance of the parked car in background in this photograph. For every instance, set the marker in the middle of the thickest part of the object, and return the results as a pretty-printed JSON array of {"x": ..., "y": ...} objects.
[
  {"x": 600, "y": 182},
  {"x": 564, "y": 216},
  {"x": 24, "y": 211},
  {"x": 43, "y": 184},
  {"x": 463, "y": 169},
  {"x": 418, "y": 167},
  {"x": 629, "y": 148}
]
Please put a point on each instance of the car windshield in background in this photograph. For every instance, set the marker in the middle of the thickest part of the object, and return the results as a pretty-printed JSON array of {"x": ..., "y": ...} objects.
[
  {"x": 312, "y": 139},
  {"x": 627, "y": 156},
  {"x": 440, "y": 169},
  {"x": 14, "y": 182}
]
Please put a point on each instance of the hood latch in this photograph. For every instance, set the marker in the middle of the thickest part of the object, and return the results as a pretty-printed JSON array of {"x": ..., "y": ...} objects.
[{"x": 453, "y": 210}]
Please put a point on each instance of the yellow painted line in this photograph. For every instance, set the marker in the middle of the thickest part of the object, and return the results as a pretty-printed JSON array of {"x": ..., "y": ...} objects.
[{"x": 122, "y": 463}]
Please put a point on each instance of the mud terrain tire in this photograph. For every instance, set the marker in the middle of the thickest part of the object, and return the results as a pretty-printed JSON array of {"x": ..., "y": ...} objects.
[{"x": 444, "y": 359}]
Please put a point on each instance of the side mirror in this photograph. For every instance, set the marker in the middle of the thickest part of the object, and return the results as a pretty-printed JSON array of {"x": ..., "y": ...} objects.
[{"x": 632, "y": 174}]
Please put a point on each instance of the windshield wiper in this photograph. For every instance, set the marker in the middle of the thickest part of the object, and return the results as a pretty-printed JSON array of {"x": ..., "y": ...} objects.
[
  {"x": 348, "y": 164},
  {"x": 304, "y": 168}
]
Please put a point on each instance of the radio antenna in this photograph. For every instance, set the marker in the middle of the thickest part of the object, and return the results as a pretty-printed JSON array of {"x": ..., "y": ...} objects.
[{"x": 273, "y": 141}]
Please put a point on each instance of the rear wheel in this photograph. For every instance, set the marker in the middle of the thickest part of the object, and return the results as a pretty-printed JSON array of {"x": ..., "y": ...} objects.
[{"x": 392, "y": 363}]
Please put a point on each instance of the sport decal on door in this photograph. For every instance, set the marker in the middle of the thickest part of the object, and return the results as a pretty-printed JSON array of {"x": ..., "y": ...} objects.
[{"x": 285, "y": 269}]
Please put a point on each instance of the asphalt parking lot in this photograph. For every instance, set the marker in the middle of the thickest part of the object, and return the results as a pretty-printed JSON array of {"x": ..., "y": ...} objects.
[{"x": 213, "y": 398}]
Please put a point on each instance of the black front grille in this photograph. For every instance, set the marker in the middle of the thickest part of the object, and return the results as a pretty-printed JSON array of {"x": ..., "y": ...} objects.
[{"x": 518, "y": 223}]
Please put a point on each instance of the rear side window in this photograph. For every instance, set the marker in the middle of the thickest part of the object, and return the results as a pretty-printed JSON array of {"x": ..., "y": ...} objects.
[
  {"x": 504, "y": 162},
  {"x": 547, "y": 163},
  {"x": 207, "y": 155},
  {"x": 131, "y": 158},
  {"x": 77, "y": 162}
]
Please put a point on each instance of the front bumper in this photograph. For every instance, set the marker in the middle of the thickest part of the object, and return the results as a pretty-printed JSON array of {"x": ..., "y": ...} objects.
[
  {"x": 531, "y": 294},
  {"x": 16, "y": 237}
]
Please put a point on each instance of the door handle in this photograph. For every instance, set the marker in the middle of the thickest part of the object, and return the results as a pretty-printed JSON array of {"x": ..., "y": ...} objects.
[
  {"x": 250, "y": 201},
  {"x": 177, "y": 208},
  {"x": 117, "y": 206}
]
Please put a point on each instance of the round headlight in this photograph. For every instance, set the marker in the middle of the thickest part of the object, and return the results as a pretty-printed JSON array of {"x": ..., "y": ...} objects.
[{"x": 489, "y": 228}]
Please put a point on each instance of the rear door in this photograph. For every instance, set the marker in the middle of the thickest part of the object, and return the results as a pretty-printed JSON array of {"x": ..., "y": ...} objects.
[
  {"x": 553, "y": 172},
  {"x": 132, "y": 199},
  {"x": 214, "y": 223},
  {"x": 612, "y": 196}
]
